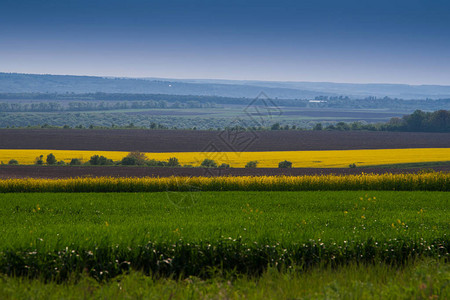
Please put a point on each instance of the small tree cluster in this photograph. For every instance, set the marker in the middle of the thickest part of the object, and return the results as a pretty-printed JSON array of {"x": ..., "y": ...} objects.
[
  {"x": 208, "y": 163},
  {"x": 97, "y": 160},
  {"x": 285, "y": 164},
  {"x": 252, "y": 164},
  {"x": 13, "y": 162},
  {"x": 75, "y": 162},
  {"x": 39, "y": 160},
  {"x": 135, "y": 159}
]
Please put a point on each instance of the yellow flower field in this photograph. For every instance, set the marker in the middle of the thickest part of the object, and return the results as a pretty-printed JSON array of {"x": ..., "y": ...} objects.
[
  {"x": 399, "y": 182},
  {"x": 300, "y": 159}
]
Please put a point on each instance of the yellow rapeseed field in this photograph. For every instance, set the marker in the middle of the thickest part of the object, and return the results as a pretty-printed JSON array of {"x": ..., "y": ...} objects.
[
  {"x": 269, "y": 159},
  {"x": 398, "y": 182}
]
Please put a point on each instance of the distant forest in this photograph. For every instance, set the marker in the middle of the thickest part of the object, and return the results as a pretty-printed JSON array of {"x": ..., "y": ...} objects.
[
  {"x": 419, "y": 121},
  {"x": 73, "y": 106},
  {"x": 47, "y": 102}
]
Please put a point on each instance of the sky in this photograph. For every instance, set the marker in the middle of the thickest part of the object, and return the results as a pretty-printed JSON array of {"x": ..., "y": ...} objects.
[{"x": 313, "y": 40}]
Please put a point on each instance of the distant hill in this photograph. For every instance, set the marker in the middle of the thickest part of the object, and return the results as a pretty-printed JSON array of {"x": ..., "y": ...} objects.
[
  {"x": 26, "y": 83},
  {"x": 403, "y": 91}
]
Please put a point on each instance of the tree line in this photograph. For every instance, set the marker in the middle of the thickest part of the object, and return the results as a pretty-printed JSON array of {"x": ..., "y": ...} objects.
[
  {"x": 98, "y": 106},
  {"x": 136, "y": 158},
  {"x": 325, "y": 101},
  {"x": 419, "y": 121}
]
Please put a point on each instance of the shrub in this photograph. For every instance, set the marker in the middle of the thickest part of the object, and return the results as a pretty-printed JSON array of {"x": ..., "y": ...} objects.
[
  {"x": 94, "y": 160},
  {"x": 275, "y": 126},
  {"x": 173, "y": 162},
  {"x": 352, "y": 166},
  {"x": 100, "y": 161},
  {"x": 135, "y": 158},
  {"x": 106, "y": 161},
  {"x": 342, "y": 126},
  {"x": 151, "y": 163},
  {"x": 252, "y": 164},
  {"x": 208, "y": 163},
  {"x": 39, "y": 160},
  {"x": 285, "y": 164},
  {"x": 13, "y": 162},
  {"x": 224, "y": 166},
  {"x": 161, "y": 163},
  {"x": 61, "y": 163},
  {"x": 318, "y": 126},
  {"x": 156, "y": 163},
  {"x": 75, "y": 162},
  {"x": 51, "y": 159}
]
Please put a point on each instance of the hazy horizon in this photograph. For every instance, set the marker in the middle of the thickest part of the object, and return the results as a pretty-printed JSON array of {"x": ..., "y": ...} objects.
[
  {"x": 383, "y": 42},
  {"x": 220, "y": 79}
]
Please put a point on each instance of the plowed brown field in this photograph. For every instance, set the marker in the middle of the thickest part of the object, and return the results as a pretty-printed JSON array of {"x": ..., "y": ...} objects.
[
  {"x": 193, "y": 141},
  {"x": 122, "y": 171}
]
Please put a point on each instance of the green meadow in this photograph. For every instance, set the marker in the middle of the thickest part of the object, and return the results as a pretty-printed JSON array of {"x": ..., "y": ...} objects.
[{"x": 56, "y": 236}]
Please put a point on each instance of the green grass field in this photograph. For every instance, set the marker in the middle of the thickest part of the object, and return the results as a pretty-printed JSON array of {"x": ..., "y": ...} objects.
[
  {"x": 181, "y": 245},
  {"x": 57, "y": 234},
  {"x": 423, "y": 279},
  {"x": 62, "y": 219}
]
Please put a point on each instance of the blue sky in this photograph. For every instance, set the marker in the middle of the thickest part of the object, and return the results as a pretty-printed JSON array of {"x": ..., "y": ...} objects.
[{"x": 338, "y": 41}]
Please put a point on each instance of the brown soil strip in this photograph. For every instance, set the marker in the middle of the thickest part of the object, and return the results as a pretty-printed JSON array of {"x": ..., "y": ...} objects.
[
  {"x": 85, "y": 171},
  {"x": 193, "y": 141}
]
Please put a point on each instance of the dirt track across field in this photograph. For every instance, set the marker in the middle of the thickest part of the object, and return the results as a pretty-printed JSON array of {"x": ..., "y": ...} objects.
[
  {"x": 121, "y": 171},
  {"x": 193, "y": 141}
]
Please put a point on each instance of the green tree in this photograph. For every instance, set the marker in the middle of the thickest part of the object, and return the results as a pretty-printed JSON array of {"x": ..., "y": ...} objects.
[
  {"x": 39, "y": 160},
  {"x": 135, "y": 158},
  {"x": 13, "y": 162},
  {"x": 318, "y": 126},
  {"x": 51, "y": 159},
  {"x": 173, "y": 162},
  {"x": 252, "y": 164},
  {"x": 94, "y": 160},
  {"x": 97, "y": 160},
  {"x": 208, "y": 163},
  {"x": 75, "y": 162},
  {"x": 285, "y": 164},
  {"x": 415, "y": 121},
  {"x": 275, "y": 126}
]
